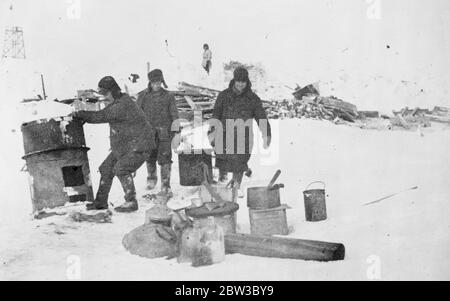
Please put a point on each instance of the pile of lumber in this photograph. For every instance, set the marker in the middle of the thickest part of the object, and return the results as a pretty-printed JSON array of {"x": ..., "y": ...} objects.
[
  {"x": 192, "y": 98},
  {"x": 314, "y": 107},
  {"x": 309, "y": 104},
  {"x": 440, "y": 114},
  {"x": 412, "y": 118}
]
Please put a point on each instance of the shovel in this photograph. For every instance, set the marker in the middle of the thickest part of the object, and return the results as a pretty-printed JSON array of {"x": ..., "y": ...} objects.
[{"x": 274, "y": 179}]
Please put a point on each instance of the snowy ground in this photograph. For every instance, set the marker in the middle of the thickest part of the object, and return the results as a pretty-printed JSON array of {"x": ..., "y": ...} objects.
[{"x": 406, "y": 237}]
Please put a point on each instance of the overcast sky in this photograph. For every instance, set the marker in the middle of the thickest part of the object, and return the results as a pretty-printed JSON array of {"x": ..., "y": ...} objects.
[{"x": 296, "y": 41}]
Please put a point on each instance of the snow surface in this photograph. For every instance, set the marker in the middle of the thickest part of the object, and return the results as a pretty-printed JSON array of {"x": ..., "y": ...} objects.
[
  {"x": 409, "y": 232},
  {"x": 333, "y": 43}
]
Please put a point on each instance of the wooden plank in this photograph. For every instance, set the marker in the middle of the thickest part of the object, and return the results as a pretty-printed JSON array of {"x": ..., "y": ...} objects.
[
  {"x": 204, "y": 103},
  {"x": 369, "y": 114},
  {"x": 338, "y": 104},
  {"x": 191, "y": 103},
  {"x": 443, "y": 110},
  {"x": 437, "y": 118},
  {"x": 198, "y": 89},
  {"x": 269, "y": 246}
]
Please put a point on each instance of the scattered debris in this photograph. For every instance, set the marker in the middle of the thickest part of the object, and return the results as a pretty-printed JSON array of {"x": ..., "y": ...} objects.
[
  {"x": 413, "y": 118},
  {"x": 314, "y": 107},
  {"x": 38, "y": 98},
  {"x": 100, "y": 217},
  {"x": 44, "y": 214},
  {"x": 307, "y": 103}
]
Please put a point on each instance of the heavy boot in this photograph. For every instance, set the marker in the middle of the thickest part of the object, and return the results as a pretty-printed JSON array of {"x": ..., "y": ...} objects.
[
  {"x": 130, "y": 204},
  {"x": 152, "y": 177},
  {"x": 237, "y": 180},
  {"x": 101, "y": 199},
  {"x": 165, "y": 181}
]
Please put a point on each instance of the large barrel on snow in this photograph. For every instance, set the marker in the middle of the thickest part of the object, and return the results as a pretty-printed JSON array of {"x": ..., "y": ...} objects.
[
  {"x": 57, "y": 162},
  {"x": 52, "y": 134}
]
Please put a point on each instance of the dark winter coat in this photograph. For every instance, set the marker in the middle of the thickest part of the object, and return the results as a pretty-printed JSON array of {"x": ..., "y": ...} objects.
[
  {"x": 160, "y": 109},
  {"x": 129, "y": 128},
  {"x": 232, "y": 105}
]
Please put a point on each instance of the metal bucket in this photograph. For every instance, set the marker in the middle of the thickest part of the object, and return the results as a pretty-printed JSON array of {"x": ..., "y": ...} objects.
[
  {"x": 315, "y": 203},
  {"x": 191, "y": 170},
  {"x": 262, "y": 198}
]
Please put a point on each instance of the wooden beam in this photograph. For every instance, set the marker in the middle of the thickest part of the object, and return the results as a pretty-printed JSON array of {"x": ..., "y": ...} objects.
[
  {"x": 191, "y": 102},
  {"x": 338, "y": 104},
  {"x": 270, "y": 246},
  {"x": 197, "y": 89}
]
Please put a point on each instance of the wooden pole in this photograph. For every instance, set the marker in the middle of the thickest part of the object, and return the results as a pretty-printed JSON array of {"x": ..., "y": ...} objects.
[
  {"x": 391, "y": 195},
  {"x": 43, "y": 86},
  {"x": 269, "y": 246}
]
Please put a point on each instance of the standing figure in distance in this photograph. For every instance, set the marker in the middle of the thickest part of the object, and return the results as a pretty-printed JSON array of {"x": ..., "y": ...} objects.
[{"x": 207, "y": 57}]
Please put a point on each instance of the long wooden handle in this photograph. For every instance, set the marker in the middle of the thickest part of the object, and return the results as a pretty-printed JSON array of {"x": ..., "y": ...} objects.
[
  {"x": 391, "y": 195},
  {"x": 275, "y": 177}
]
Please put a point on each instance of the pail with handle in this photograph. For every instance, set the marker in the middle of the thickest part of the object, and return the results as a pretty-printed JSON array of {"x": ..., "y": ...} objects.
[{"x": 315, "y": 203}]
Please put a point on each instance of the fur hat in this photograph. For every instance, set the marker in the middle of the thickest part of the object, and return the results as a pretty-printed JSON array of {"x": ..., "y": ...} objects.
[
  {"x": 157, "y": 75},
  {"x": 240, "y": 74},
  {"x": 108, "y": 83}
]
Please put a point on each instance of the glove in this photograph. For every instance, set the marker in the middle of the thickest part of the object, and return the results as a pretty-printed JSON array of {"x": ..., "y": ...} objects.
[
  {"x": 211, "y": 137},
  {"x": 77, "y": 115},
  {"x": 176, "y": 140}
]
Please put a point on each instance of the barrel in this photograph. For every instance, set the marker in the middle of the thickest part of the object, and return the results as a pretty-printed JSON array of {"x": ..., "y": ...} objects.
[
  {"x": 52, "y": 134},
  {"x": 57, "y": 162},
  {"x": 191, "y": 168},
  {"x": 315, "y": 203}
]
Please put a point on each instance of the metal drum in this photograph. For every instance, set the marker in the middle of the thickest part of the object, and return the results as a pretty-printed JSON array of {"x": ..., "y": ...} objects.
[
  {"x": 263, "y": 198},
  {"x": 52, "y": 134},
  {"x": 57, "y": 162}
]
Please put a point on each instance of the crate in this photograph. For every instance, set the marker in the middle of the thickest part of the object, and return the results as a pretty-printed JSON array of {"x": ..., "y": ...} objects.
[{"x": 269, "y": 221}]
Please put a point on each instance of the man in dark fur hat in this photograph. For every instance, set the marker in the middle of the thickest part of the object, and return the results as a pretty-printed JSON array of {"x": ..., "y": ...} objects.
[
  {"x": 235, "y": 108},
  {"x": 132, "y": 140}
]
